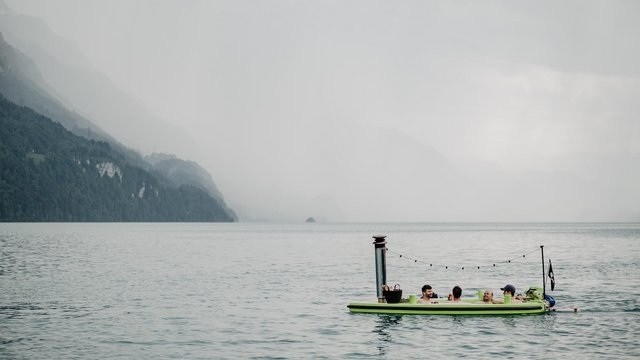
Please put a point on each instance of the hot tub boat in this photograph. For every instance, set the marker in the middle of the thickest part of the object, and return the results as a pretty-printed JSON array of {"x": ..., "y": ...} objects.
[{"x": 536, "y": 303}]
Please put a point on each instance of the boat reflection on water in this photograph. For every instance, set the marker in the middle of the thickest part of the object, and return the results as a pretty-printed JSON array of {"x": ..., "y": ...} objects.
[{"x": 383, "y": 324}]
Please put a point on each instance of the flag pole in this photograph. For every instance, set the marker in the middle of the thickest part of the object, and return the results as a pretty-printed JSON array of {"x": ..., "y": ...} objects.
[{"x": 544, "y": 280}]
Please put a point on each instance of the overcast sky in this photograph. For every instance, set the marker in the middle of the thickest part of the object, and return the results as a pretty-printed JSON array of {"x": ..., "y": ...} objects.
[{"x": 314, "y": 108}]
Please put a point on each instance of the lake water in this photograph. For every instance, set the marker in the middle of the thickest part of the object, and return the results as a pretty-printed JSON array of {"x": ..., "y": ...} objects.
[{"x": 229, "y": 291}]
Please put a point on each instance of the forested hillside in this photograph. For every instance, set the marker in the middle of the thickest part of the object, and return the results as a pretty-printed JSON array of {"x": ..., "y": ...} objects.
[{"x": 49, "y": 174}]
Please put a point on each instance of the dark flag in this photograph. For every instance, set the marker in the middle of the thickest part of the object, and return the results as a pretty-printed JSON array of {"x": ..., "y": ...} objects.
[{"x": 553, "y": 281}]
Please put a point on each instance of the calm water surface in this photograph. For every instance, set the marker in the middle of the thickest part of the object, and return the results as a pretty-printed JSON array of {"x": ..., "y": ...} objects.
[{"x": 203, "y": 291}]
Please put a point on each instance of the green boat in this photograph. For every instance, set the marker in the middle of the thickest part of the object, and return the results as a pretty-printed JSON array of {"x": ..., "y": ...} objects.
[
  {"x": 444, "y": 308},
  {"x": 537, "y": 301}
]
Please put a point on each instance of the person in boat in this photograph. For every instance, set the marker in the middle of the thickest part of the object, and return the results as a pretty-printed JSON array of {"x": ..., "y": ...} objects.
[
  {"x": 487, "y": 297},
  {"x": 428, "y": 295},
  {"x": 456, "y": 294},
  {"x": 509, "y": 290}
]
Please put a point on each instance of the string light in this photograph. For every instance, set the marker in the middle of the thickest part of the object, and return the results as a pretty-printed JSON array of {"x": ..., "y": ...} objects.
[{"x": 493, "y": 265}]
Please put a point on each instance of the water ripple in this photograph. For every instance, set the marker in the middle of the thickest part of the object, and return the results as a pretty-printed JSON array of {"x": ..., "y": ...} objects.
[{"x": 202, "y": 291}]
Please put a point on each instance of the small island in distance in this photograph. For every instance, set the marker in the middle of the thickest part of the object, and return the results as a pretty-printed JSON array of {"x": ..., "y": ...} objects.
[{"x": 310, "y": 220}]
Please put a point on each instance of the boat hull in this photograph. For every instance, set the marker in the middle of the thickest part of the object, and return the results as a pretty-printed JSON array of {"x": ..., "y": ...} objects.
[{"x": 527, "y": 308}]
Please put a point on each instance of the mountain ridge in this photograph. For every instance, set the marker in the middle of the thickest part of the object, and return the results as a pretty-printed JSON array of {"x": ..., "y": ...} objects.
[
  {"x": 22, "y": 84},
  {"x": 51, "y": 174}
]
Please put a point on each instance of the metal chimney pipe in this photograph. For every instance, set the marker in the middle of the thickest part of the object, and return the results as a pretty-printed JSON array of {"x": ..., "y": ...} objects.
[{"x": 379, "y": 244}]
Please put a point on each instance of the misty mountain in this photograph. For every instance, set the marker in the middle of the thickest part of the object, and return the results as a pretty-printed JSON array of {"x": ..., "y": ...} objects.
[
  {"x": 50, "y": 174},
  {"x": 22, "y": 83},
  {"x": 182, "y": 172},
  {"x": 88, "y": 92}
]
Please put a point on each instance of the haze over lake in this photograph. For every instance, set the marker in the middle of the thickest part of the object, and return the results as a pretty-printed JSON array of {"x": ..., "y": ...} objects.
[{"x": 363, "y": 110}]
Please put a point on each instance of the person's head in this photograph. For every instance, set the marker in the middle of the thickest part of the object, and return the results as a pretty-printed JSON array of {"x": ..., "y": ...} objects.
[
  {"x": 457, "y": 292},
  {"x": 488, "y": 296},
  {"x": 427, "y": 291},
  {"x": 508, "y": 289}
]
